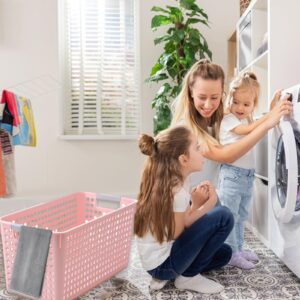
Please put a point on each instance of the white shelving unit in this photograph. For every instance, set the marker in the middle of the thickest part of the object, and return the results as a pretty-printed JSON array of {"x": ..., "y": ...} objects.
[
  {"x": 252, "y": 47},
  {"x": 268, "y": 43}
]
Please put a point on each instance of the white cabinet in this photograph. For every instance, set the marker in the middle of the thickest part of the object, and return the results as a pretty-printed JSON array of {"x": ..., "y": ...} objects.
[
  {"x": 252, "y": 47},
  {"x": 268, "y": 43}
]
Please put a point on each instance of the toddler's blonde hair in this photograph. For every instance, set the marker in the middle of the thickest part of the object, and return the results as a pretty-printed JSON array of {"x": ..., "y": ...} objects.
[{"x": 244, "y": 82}]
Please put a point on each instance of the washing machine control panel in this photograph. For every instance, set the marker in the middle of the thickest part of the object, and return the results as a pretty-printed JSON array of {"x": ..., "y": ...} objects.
[{"x": 294, "y": 96}]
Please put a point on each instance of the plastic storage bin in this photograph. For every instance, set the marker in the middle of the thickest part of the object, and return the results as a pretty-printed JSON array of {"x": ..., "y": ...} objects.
[{"x": 89, "y": 244}]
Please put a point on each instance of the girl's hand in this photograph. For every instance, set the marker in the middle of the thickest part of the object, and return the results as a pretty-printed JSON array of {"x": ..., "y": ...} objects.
[
  {"x": 199, "y": 195},
  {"x": 275, "y": 99},
  {"x": 213, "y": 199},
  {"x": 283, "y": 108}
]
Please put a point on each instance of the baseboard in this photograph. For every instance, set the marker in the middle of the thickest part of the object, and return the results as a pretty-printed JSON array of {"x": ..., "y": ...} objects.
[{"x": 257, "y": 234}]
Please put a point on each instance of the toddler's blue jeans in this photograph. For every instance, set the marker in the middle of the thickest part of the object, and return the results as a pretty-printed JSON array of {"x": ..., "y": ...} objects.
[
  {"x": 235, "y": 191},
  {"x": 200, "y": 247}
]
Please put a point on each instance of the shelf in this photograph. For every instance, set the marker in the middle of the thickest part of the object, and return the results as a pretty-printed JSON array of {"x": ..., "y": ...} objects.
[
  {"x": 231, "y": 57},
  {"x": 260, "y": 4},
  {"x": 261, "y": 61},
  {"x": 255, "y": 4}
]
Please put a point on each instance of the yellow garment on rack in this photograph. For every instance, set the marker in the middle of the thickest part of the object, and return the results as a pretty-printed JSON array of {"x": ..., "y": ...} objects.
[{"x": 27, "y": 111}]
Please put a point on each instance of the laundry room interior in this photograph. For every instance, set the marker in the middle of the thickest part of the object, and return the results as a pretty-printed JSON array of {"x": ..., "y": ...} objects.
[{"x": 125, "y": 124}]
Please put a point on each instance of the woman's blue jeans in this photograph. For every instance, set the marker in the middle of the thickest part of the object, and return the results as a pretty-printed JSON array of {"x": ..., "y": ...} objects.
[{"x": 200, "y": 247}]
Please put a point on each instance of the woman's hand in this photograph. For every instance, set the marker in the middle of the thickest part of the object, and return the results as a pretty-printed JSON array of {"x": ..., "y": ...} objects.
[{"x": 282, "y": 108}]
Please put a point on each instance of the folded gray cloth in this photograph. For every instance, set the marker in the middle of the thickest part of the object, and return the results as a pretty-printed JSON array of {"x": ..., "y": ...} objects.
[{"x": 30, "y": 262}]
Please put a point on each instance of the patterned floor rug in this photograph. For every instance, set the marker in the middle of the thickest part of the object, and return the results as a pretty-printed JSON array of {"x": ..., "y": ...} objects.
[{"x": 269, "y": 280}]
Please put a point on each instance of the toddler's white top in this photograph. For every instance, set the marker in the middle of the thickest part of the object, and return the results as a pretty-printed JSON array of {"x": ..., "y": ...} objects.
[{"x": 229, "y": 122}]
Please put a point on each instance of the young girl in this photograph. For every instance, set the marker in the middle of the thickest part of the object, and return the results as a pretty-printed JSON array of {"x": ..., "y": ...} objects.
[
  {"x": 177, "y": 240},
  {"x": 200, "y": 107},
  {"x": 236, "y": 179}
]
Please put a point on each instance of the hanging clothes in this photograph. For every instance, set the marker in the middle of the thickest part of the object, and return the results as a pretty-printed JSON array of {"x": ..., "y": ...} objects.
[
  {"x": 8, "y": 163},
  {"x": 24, "y": 133},
  {"x": 27, "y": 134},
  {"x": 2, "y": 175},
  {"x": 8, "y": 101},
  {"x": 16, "y": 128}
]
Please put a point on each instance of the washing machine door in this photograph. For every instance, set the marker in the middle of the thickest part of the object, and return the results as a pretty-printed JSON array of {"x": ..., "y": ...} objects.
[{"x": 286, "y": 172}]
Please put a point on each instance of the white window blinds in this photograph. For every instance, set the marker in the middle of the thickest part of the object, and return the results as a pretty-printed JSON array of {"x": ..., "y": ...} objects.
[{"x": 101, "y": 68}]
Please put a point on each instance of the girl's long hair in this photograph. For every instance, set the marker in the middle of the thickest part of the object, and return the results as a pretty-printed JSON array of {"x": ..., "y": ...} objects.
[
  {"x": 185, "y": 110},
  {"x": 245, "y": 82},
  {"x": 161, "y": 177}
]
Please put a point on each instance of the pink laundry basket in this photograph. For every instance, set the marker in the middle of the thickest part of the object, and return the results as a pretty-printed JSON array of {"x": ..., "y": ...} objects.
[{"x": 89, "y": 244}]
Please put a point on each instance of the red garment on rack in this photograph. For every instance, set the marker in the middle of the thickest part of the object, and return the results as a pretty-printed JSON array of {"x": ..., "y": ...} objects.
[{"x": 9, "y": 99}]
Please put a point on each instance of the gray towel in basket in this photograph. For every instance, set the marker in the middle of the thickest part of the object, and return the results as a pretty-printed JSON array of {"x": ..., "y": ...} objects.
[{"x": 30, "y": 262}]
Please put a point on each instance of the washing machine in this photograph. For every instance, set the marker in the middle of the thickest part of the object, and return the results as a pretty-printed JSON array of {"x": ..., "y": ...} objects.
[{"x": 284, "y": 182}]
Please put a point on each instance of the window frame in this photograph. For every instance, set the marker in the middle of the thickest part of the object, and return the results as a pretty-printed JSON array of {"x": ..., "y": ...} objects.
[{"x": 64, "y": 78}]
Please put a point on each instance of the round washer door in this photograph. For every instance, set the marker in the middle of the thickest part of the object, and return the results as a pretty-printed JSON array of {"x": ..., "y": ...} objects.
[{"x": 286, "y": 174}]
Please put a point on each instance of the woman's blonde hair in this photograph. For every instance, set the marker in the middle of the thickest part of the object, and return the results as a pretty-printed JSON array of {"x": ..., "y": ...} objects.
[
  {"x": 185, "y": 110},
  {"x": 245, "y": 82},
  {"x": 161, "y": 177}
]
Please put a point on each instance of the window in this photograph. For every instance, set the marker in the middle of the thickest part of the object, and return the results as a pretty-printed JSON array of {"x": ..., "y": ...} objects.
[{"x": 101, "y": 68}]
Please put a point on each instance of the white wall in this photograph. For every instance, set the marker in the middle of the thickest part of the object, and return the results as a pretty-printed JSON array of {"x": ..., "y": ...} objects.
[{"x": 29, "y": 49}]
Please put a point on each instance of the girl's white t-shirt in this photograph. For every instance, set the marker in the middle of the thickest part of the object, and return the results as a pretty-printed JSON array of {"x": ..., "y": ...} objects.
[
  {"x": 229, "y": 122},
  {"x": 152, "y": 253}
]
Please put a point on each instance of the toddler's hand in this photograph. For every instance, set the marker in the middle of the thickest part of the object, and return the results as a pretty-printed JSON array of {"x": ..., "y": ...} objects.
[
  {"x": 283, "y": 108},
  {"x": 275, "y": 99}
]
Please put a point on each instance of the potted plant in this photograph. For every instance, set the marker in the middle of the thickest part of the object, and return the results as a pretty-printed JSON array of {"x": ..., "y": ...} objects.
[{"x": 183, "y": 46}]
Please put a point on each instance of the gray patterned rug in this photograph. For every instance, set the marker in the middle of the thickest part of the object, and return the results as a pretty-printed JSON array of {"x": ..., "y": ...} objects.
[{"x": 269, "y": 280}]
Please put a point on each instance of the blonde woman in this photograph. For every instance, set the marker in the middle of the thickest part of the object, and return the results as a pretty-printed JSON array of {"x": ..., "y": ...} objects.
[{"x": 178, "y": 240}]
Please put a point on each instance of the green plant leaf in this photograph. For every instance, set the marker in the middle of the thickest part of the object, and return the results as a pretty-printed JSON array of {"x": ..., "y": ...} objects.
[
  {"x": 189, "y": 55},
  {"x": 164, "y": 89},
  {"x": 178, "y": 35},
  {"x": 187, "y": 4},
  {"x": 196, "y": 20},
  {"x": 165, "y": 58},
  {"x": 169, "y": 47},
  {"x": 157, "y": 8},
  {"x": 193, "y": 13},
  {"x": 175, "y": 14},
  {"x": 158, "y": 76},
  {"x": 175, "y": 91},
  {"x": 161, "y": 39},
  {"x": 194, "y": 37},
  {"x": 156, "y": 68},
  {"x": 161, "y": 119},
  {"x": 158, "y": 21},
  {"x": 199, "y": 11}
]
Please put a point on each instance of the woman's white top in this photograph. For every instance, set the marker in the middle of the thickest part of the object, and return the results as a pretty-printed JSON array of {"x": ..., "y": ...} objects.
[
  {"x": 210, "y": 171},
  {"x": 229, "y": 122},
  {"x": 152, "y": 253}
]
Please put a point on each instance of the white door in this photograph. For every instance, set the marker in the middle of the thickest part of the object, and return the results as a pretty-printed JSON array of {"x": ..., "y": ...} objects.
[{"x": 285, "y": 176}]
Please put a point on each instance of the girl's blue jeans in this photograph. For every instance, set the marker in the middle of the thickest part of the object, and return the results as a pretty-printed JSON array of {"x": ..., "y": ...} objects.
[
  {"x": 200, "y": 247},
  {"x": 235, "y": 191}
]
